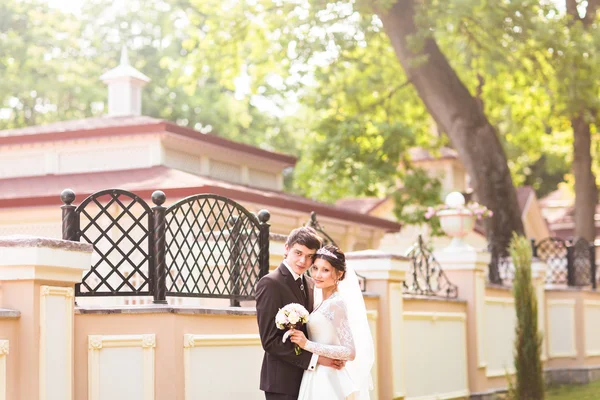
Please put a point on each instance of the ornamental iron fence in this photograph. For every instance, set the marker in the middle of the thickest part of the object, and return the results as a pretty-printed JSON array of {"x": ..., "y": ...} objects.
[
  {"x": 426, "y": 277},
  {"x": 202, "y": 246},
  {"x": 568, "y": 262}
]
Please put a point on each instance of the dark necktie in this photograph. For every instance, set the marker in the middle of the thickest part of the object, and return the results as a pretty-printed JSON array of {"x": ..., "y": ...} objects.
[{"x": 300, "y": 283}]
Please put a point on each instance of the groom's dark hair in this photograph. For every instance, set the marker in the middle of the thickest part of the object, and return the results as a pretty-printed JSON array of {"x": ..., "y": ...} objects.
[{"x": 306, "y": 236}]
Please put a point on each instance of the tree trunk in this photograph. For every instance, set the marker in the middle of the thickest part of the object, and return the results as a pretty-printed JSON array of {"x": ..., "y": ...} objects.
[
  {"x": 586, "y": 192},
  {"x": 458, "y": 113}
]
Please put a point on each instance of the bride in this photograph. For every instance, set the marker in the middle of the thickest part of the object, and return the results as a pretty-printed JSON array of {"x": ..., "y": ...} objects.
[{"x": 337, "y": 333}]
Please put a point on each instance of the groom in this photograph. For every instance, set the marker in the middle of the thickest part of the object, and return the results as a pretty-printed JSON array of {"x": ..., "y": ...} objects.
[{"x": 282, "y": 369}]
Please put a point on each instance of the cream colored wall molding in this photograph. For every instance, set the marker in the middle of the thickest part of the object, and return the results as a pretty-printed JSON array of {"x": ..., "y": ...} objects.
[
  {"x": 556, "y": 302},
  {"x": 591, "y": 327},
  {"x": 570, "y": 305},
  {"x": 51, "y": 334},
  {"x": 442, "y": 396},
  {"x": 190, "y": 340},
  {"x": 566, "y": 354},
  {"x": 444, "y": 333},
  {"x": 96, "y": 343},
  {"x": 494, "y": 373},
  {"x": 508, "y": 301},
  {"x": 4, "y": 348},
  {"x": 57, "y": 291},
  {"x": 435, "y": 316}
]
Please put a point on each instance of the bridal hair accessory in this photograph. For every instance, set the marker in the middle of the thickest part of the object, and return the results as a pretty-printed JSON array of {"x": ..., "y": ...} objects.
[
  {"x": 293, "y": 315},
  {"x": 324, "y": 252}
]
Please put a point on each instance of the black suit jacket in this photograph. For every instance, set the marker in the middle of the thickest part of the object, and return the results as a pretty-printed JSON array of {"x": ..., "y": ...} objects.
[{"x": 281, "y": 369}]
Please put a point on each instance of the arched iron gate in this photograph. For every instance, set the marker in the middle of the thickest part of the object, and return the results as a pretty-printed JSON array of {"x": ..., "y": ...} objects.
[
  {"x": 213, "y": 248},
  {"x": 119, "y": 225},
  {"x": 202, "y": 246}
]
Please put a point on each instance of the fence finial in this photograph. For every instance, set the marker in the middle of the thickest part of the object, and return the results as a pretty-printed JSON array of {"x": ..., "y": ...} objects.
[
  {"x": 67, "y": 196},
  {"x": 264, "y": 216},
  {"x": 159, "y": 197}
]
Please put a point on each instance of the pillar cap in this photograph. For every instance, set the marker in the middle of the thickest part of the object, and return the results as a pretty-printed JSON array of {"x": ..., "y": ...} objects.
[
  {"x": 379, "y": 265},
  {"x": 36, "y": 241},
  {"x": 38, "y": 258},
  {"x": 468, "y": 259}
]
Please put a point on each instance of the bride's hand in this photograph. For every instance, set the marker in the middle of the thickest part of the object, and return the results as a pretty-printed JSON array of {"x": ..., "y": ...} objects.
[{"x": 298, "y": 337}]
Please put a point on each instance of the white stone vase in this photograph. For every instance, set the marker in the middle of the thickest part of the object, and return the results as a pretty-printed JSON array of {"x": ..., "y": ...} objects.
[{"x": 457, "y": 224}]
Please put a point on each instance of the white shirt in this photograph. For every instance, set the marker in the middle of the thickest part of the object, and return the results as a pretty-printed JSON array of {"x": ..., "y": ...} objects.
[
  {"x": 294, "y": 274},
  {"x": 315, "y": 357}
]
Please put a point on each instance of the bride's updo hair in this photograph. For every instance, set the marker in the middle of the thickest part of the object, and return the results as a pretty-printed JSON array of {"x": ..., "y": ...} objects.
[{"x": 334, "y": 256}]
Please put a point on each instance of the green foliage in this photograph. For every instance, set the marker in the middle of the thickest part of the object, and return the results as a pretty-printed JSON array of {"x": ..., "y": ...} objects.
[
  {"x": 529, "y": 383},
  {"x": 418, "y": 192},
  {"x": 39, "y": 70},
  {"x": 52, "y": 61},
  {"x": 575, "y": 392},
  {"x": 533, "y": 68},
  {"x": 313, "y": 78}
]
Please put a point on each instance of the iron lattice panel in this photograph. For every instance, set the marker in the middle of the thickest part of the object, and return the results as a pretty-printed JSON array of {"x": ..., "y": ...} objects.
[
  {"x": 553, "y": 251},
  {"x": 118, "y": 223},
  {"x": 581, "y": 262},
  {"x": 426, "y": 277},
  {"x": 506, "y": 270},
  {"x": 212, "y": 249}
]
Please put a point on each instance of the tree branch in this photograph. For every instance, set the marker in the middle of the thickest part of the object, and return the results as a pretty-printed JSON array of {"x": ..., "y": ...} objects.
[
  {"x": 590, "y": 12},
  {"x": 388, "y": 97},
  {"x": 571, "y": 6}
]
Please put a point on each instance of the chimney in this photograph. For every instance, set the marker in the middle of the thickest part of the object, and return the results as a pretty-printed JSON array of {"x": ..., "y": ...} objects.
[{"x": 125, "y": 85}]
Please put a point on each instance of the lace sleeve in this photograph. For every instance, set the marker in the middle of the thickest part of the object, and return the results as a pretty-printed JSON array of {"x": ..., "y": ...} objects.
[{"x": 337, "y": 314}]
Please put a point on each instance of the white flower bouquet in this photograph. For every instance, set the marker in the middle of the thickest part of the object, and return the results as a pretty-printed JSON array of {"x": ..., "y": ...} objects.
[{"x": 293, "y": 315}]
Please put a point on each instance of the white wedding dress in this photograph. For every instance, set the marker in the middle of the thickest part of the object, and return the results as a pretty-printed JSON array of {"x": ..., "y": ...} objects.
[{"x": 330, "y": 336}]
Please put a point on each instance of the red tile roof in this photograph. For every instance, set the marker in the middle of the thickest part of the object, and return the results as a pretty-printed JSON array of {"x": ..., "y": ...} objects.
[
  {"x": 116, "y": 126},
  {"x": 86, "y": 124},
  {"x": 45, "y": 190},
  {"x": 362, "y": 205},
  {"x": 560, "y": 197},
  {"x": 569, "y": 215},
  {"x": 523, "y": 194}
]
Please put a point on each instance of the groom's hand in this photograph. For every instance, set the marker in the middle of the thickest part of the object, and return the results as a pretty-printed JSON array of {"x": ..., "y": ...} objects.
[{"x": 329, "y": 362}]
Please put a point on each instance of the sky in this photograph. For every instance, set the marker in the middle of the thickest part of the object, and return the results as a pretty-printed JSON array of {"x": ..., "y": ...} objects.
[{"x": 72, "y": 6}]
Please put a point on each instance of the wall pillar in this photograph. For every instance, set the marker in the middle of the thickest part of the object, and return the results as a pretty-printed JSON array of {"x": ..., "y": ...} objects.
[
  {"x": 38, "y": 277},
  {"x": 468, "y": 269},
  {"x": 385, "y": 275}
]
